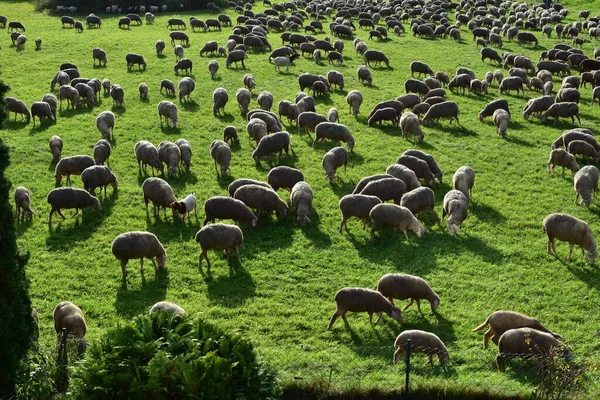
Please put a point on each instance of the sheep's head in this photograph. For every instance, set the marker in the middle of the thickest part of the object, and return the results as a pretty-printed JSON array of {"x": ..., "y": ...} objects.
[
  {"x": 435, "y": 303},
  {"x": 419, "y": 229},
  {"x": 453, "y": 228},
  {"x": 96, "y": 203},
  {"x": 591, "y": 256},
  {"x": 82, "y": 345},
  {"x": 161, "y": 259},
  {"x": 254, "y": 221},
  {"x": 29, "y": 213},
  {"x": 396, "y": 314},
  {"x": 443, "y": 356},
  {"x": 114, "y": 182},
  {"x": 303, "y": 220}
]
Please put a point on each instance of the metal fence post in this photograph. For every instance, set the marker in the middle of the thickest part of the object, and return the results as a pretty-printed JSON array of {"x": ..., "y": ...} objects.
[{"x": 406, "y": 387}]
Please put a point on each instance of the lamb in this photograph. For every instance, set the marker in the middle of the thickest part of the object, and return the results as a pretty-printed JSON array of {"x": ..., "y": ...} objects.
[
  {"x": 586, "y": 182},
  {"x": 221, "y": 153},
  {"x": 284, "y": 177},
  {"x": 301, "y": 197},
  {"x": 336, "y": 78},
  {"x": 102, "y": 151},
  {"x": 117, "y": 93},
  {"x": 235, "y": 56},
  {"x": 160, "y": 46},
  {"x": 56, "y": 146},
  {"x": 137, "y": 244},
  {"x": 333, "y": 131},
  {"x": 564, "y": 110},
  {"x": 146, "y": 154},
  {"x": 320, "y": 88},
  {"x": 265, "y": 100},
  {"x": 502, "y": 321},
  {"x": 333, "y": 115},
  {"x": 38, "y": 44},
  {"x": 186, "y": 153},
  {"x": 419, "y": 199},
  {"x": 168, "y": 110},
  {"x": 491, "y": 107},
  {"x": 98, "y": 176},
  {"x": 354, "y": 100},
  {"x": 334, "y": 159},
  {"x": 500, "y": 119},
  {"x": 527, "y": 342},
  {"x": 135, "y": 59},
  {"x": 421, "y": 342},
  {"x": 364, "y": 75},
  {"x": 168, "y": 85},
  {"x": 186, "y": 86},
  {"x": 179, "y": 51},
  {"x": 420, "y": 168},
  {"x": 385, "y": 189},
  {"x": 274, "y": 143},
  {"x": 219, "y": 237},
  {"x": 446, "y": 110},
  {"x": 70, "y": 94},
  {"x": 404, "y": 173},
  {"x": 227, "y": 208},
  {"x": 68, "y": 316},
  {"x": 100, "y": 55},
  {"x": 143, "y": 89},
  {"x": 184, "y": 208},
  {"x": 18, "y": 107},
  {"x": 238, "y": 183},
  {"x": 167, "y": 307},
  {"x": 363, "y": 300},
  {"x": 213, "y": 67},
  {"x": 537, "y": 106},
  {"x": 41, "y": 109},
  {"x": 66, "y": 197},
  {"x": 584, "y": 148},
  {"x": 170, "y": 154},
  {"x": 564, "y": 159},
  {"x": 185, "y": 64},
  {"x": 456, "y": 206},
  {"x": 160, "y": 193},
  {"x": 409, "y": 124},
  {"x": 105, "y": 122},
  {"x": 73, "y": 165},
  {"x": 309, "y": 120},
  {"x": 417, "y": 110},
  {"x": 23, "y": 201},
  {"x": 398, "y": 217},
  {"x": 249, "y": 82},
  {"x": 106, "y": 86},
  {"x": 220, "y": 99},
  {"x": 260, "y": 198}
]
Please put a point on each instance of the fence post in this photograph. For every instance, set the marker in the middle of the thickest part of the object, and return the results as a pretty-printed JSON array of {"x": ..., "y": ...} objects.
[
  {"x": 406, "y": 387},
  {"x": 62, "y": 379}
]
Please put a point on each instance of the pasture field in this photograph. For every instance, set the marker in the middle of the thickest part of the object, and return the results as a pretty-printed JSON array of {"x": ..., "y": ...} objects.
[{"x": 281, "y": 296}]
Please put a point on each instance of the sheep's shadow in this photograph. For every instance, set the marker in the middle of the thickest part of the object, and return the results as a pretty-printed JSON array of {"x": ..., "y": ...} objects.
[
  {"x": 518, "y": 141},
  {"x": 86, "y": 223},
  {"x": 119, "y": 110},
  {"x": 99, "y": 67},
  {"x": 131, "y": 302},
  {"x": 582, "y": 270},
  {"x": 226, "y": 117},
  {"x": 311, "y": 231},
  {"x": 486, "y": 213},
  {"x": 169, "y": 130},
  {"x": 190, "y": 105},
  {"x": 14, "y": 124},
  {"x": 23, "y": 225},
  {"x": 40, "y": 127},
  {"x": 230, "y": 290},
  {"x": 168, "y": 228}
]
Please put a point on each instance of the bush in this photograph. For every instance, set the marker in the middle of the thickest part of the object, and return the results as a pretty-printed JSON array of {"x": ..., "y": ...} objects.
[{"x": 153, "y": 356}]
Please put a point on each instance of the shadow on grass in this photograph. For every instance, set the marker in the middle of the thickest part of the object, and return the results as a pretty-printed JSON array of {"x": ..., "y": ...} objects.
[
  {"x": 311, "y": 231},
  {"x": 14, "y": 124},
  {"x": 582, "y": 270},
  {"x": 190, "y": 105},
  {"x": 86, "y": 223},
  {"x": 169, "y": 130},
  {"x": 41, "y": 127},
  {"x": 130, "y": 301},
  {"x": 169, "y": 228},
  {"x": 230, "y": 290},
  {"x": 486, "y": 213}
]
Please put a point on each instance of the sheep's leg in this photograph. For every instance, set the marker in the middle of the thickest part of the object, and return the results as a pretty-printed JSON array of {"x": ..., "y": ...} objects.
[
  {"x": 419, "y": 306},
  {"x": 570, "y": 251},
  {"x": 155, "y": 267},
  {"x": 576, "y": 197},
  {"x": 124, "y": 268},
  {"x": 370, "y": 317},
  {"x": 142, "y": 266},
  {"x": 486, "y": 337},
  {"x": 399, "y": 352},
  {"x": 333, "y": 318},
  {"x": 378, "y": 317},
  {"x": 60, "y": 213},
  {"x": 342, "y": 224},
  {"x": 409, "y": 304},
  {"x": 431, "y": 359},
  {"x": 50, "y": 217},
  {"x": 237, "y": 250},
  {"x": 501, "y": 362},
  {"x": 405, "y": 235}
]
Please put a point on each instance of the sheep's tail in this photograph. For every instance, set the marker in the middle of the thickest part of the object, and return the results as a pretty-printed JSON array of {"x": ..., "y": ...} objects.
[{"x": 483, "y": 325}]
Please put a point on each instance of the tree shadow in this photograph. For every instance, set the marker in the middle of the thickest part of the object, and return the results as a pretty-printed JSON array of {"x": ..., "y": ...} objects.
[
  {"x": 131, "y": 302},
  {"x": 231, "y": 290}
]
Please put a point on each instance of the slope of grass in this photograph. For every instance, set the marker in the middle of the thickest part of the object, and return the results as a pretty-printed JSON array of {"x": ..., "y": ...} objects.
[{"x": 282, "y": 295}]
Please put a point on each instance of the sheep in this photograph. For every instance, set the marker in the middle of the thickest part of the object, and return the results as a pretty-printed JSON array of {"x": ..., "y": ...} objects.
[
  {"x": 258, "y": 197},
  {"x": 428, "y": 158},
  {"x": 160, "y": 193},
  {"x": 138, "y": 244},
  {"x": 18, "y": 107},
  {"x": 235, "y": 56},
  {"x": 160, "y": 46},
  {"x": 334, "y": 159},
  {"x": 301, "y": 197},
  {"x": 168, "y": 110},
  {"x": 333, "y": 131},
  {"x": 265, "y": 100},
  {"x": 40, "y": 109},
  {"x": 421, "y": 68},
  {"x": 170, "y": 154},
  {"x": 61, "y": 77},
  {"x": 356, "y": 205},
  {"x": 256, "y": 129},
  {"x": 218, "y": 237},
  {"x": 585, "y": 182},
  {"x": 102, "y": 151},
  {"x": 527, "y": 342},
  {"x": 284, "y": 177},
  {"x": 463, "y": 180},
  {"x": 213, "y": 67},
  {"x": 100, "y": 55},
  {"x": 106, "y": 86},
  {"x": 147, "y": 154},
  {"x": 336, "y": 78},
  {"x": 56, "y": 146},
  {"x": 73, "y": 165},
  {"x": 23, "y": 202},
  {"x": 502, "y": 321},
  {"x": 135, "y": 59},
  {"x": 168, "y": 85},
  {"x": 333, "y": 115},
  {"x": 420, "y": 168},
  {"x": 227, "y": 208},
  {"x": 388, "y": 188},
  {"x": 537, "y": 106},
  {"x": 20, "y": 42},
  {"x": 354, "y": 100},
  {"x": 181, "y": 36},
  {"x": 320, "y": 88},
  {"x": 175, "y": 22},
  {"x": 421, "y": 342},
  {"x": 564, "y": 110},
  {"x": 409, "y": 124},
  {"x": 68, "y": 316},
  {"x": 167, "y": 307},
  {"x": 511, "y": 83},
  {"x": 274, "y": 143},
  {"x": 221, "y": 153},
  {"x": 105, "y": 122},
  {"x": 501, "y": 119},
  {"x": 66, "y": 197},
  {"x": 185, "y": 64},
  {"x": 415, "y": 86},
  {"x": 70, "y": 94},
  {"x": 186, "y": 86},
  {"x": 446, "y": 110},
  {"x": 184, "y": 208},
  {"x": 404, "y": 173},
  {"x": 85, "y": 92},
  {"x": 52, "y": 102},
  {"x": 362, "y": 300},
  {"x": 456, "y": 206},
  {"x": 461, "y": 81},
  {"x": 403, "y": 286},
  {"x": 364, "y": 181},
  {"x": 316, "y": 56},
  {"x": 117, "y": 94},
  {"x": 419, "y": 199},
  {"x": 143, "y": 89},
  {"x": 220, "y": 99},
  {"x": 395, "y": 216},
  {"x": 568, "y": 95},
  {"x": 577, "y": 134},
  {"x": 564, "y": 159},
  {"x": 98, "y": 176},
  {"x": 149, "y": 17},
  {"x": 289, "y": 110},
  {"x": 233, "y": 186},
  {"x": 209, "y": 47},
  {"x": 364, "y": 75},
  {"x": 584, "y": 148},
  {"x": 305, "y": 103},
  {"x": 384, "y": 114}
]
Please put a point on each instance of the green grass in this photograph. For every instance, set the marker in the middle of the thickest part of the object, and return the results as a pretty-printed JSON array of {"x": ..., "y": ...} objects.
[{"x": 282, "y": 295}]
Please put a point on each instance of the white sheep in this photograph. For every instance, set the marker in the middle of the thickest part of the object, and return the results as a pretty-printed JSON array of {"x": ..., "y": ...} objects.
[
  {"x": 421, "y": 342},
  {"x": 168, "y": 110},
  {"x": 404, "y": 286},
  {"x": 570, "y": 229}
]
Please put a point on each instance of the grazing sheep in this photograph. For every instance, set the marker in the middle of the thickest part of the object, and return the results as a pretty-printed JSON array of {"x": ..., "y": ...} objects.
[
  {"x": 564, "y": 110},
  {"x": 420, "y": 68},
  {"x": 186, "y": 86},
  {"x": 106, "y": 86},
  {"x": 512, "y": 83},
  {"x": 265, "y": 100},
  {"x": 316, "y": 56},
  {"x": 363, "y": 300},
  {"x": 568, "y": 95},
  {"x": 18, "y": 107},
  {"x": 227, "y": 208},
  {"x": 364, "y": 181},
  {"x": 230, "y": 134},
  {"x": 528, "y": 343},
  {"x": 38, "y": 44},
  {"x": 102, "y": 151},
  {"x": 219, "y": 237},
  {"x": 289, "y": 110},
  {"x": 168, "y": 110},
  {"x": 446, "y": 110},
  {"x": 160, "y": 46},
  {"x": 456, "y": 206},
  {"x": 185, "y": 64},
  {"x": 136, "y": 244},
  {"x": 356, "y": 205},
  {"x": 410, "y": 125},
  {"x": 68, "y": 316},
  {"x": 52, "y": 102},
  {"x": 385, "y": 189},
  {"x": 420, "y": 168},
  {"x": 209, "y": 47},
  {"x": 221, "y": 153},
  {"x": 135, "y": 59},
  {"x": 585, "y": 183},
  {"x": 334, "y": 159},
  {"x": 66, "y": 197},
  {"x": 284, "y": 177},
  {"x": 537, "y": 106},
  {"x": 421, "y": 342},
  {"x": 143, "y": 89},
  {"x": 70, "y": 94},
  {"x": 584, "y": 148},
  {"x": 463, "y": 180},
  {"x": 167, "y": 307},
  {"x": 220, "y": 99},
  {"x": 98, "y": 176},
  {"x": 567, "y": 228},
  {"x": 147, "y": 154},
  {"x": 333, "y": 131},
  {"x": 160, "y": 193},
  {"x": 168, "y": 85},
  {"x": 333, "y": 115},
  {"x": 181, "y": 36},
  {"x": 404, "y": 173},
  {"x": 354, "y": 100},
  {"x": 428, "y": 158},
  {"x": 501, "y": 119},
  {"x": 186, "y": 153},
  {"x": 256, "y": 129},
  {"x": 56, "y": 146},
  {"x": 170, "y": 154},
  {"x": 23, "y": 202},
  {"x": 419, "y": 199},
  {"x": 384, "y": 114},
  {"x": 42, "y": 110},
  {"x": 564, "y": 159},
  {"x": 85, "y": 92},
  {"x": 461, "y": 81},
  {"x": 105, "y": 122},
  {"x": 364, "y": 75},
  {"x": 100, "y": 55},
  {"x": 274, "y": 143},
  {"x": 117, "y": 93},
  {"x": 336, "y": 78},
  {"x": 404, "y": 286},
  {"x": 235, "y": 56},
  {"x": 73, "y": 165},
  {"x": 502, "y": 321},
  {"x": 301, "y": 197},
  {"x": 213, "y": 67},
  {"x": 20, "y": 42},
  {"x": 398, "y": 217},
  {"x": 261, "y": 198},
  {"x": 376, "y": 56},
  {"x": 233, "y": 186}
]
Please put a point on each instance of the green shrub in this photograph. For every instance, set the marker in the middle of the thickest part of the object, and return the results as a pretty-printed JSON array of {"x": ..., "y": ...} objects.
[{"x": 163, "y": 355}]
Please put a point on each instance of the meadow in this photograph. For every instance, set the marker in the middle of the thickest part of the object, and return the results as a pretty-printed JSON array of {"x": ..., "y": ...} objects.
[{"x": 281, "y": 296}]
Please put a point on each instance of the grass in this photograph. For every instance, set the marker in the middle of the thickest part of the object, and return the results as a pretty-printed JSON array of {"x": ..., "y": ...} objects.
[{"x": 282, "y": 295}]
